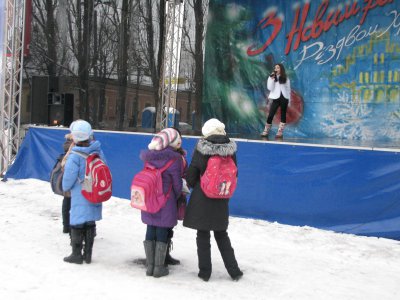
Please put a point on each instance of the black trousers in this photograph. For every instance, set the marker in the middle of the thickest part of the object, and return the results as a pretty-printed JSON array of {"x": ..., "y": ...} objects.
[
  {"x": 225, "y": 248},
  {"x": 281, "y": 102},
  {"x": 66, "y": 207}
]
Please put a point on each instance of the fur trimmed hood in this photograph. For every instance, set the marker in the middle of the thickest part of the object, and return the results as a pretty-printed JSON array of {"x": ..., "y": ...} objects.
[{"x": 209, "y": 146}]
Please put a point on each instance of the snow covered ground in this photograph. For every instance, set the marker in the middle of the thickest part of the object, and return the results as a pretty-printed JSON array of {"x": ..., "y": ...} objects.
[{"x": 278, "y": 261}]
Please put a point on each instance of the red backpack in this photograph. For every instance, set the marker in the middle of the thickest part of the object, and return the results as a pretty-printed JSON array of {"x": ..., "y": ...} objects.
[
  {"x": 97, "y": 185},
  {"x": 220, "y": 177},
  {"x": 147, "y": 188}
]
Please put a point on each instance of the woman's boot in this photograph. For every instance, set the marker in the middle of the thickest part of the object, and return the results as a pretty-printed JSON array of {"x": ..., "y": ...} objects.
[
  {"x": 149, "y": 249},
  {"x": 169, "y": 260},
  {"x": 266, "y": 131},
  {"x": 90, "y": 232},
  {"x": 76, "y": 243},
  {"x": 279, "y": 134},
  {"x": 228, "y": 254},
  {"x": 159, "y": 259}
]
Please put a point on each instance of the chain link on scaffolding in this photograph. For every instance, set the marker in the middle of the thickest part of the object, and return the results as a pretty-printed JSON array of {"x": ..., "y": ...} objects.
[
  {"x": 174, "y": 11},
  {"x": 11, "y": 81}
]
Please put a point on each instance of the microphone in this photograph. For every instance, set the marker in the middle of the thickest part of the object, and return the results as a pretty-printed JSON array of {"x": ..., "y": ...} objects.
[{"x": 273, "y": 74}]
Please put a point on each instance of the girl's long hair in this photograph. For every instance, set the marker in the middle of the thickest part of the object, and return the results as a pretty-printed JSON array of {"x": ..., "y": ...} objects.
[{"x": 282, "y": 77}]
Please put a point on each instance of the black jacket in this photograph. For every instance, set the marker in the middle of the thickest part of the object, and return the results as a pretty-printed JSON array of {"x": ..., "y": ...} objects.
[{"x": 203, "y": 213}]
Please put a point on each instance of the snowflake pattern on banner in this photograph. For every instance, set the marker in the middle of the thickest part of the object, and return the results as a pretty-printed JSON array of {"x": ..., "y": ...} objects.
[
  {"x": 392, "y": 128},
  {"x": 347, "y": 119}
]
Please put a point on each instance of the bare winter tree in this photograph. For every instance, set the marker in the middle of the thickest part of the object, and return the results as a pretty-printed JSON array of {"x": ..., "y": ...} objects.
[
  {"x": 105, "y": 49},
  {"x": 44, "y": 43},
  {"x": 98, "y": 40},
  {"x": 199, "y": 10},
  {"x": 137, "y": 63},
  {"x": 122, "y": 70},
  {"x": 152, "y": 43},
  {"x": 49, "y": 48},
  {"x": 80, "y": 20}
]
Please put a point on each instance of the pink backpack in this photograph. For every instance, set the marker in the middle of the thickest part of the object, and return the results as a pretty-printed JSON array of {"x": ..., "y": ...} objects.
[
  {"x": 147, "y": 188},
  {"x": 97, "y": 185},
  {"x": 220, "y": 178}
]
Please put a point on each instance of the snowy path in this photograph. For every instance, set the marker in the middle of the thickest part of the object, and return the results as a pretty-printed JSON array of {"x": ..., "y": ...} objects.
[{"x": 279, "y": 261}]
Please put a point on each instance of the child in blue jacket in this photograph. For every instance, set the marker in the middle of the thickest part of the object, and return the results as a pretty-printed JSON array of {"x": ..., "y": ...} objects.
[{"x": 83, "y": 214}]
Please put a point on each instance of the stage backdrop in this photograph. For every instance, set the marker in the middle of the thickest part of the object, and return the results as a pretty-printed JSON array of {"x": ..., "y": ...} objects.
[
  {"x": 341, "y": 189},
  {"x": 342, "y": 58}
]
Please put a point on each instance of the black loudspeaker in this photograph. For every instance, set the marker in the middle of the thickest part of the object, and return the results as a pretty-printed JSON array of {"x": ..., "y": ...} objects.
[
  {"x": 61, "y": 109},
  {"x": 68, "y": 109},
  {"x": 39, "y": 102}
]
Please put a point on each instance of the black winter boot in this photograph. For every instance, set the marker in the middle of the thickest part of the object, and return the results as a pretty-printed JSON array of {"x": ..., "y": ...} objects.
[
  {"x": 90, "y": 232},
  {"x": 228, "y": 254},
  {"x": 76, "y": 243},
  {"x": 66, "y": 229},
  {"x": 169, "y": 260},
  {"x": 149, "y": 249},
  {"x": 204, "y": 254},
  {"x": 159, "y": 259}
]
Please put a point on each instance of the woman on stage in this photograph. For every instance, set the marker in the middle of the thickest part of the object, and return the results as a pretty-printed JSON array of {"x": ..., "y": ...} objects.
[{"x": 279, "y": 86}]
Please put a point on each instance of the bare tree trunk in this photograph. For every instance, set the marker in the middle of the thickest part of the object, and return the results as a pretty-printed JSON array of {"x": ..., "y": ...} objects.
[
  {"x": 155, "y": 66},
  {"x": 51, "y": 46},
  {"x": 136, "y": 101},
  {"x": 102, "y": 92},
  {"x": 122, "y": 65},
  {"x": 102, "y": 88},
  {"x": 84, "y": 34},
  {"x": 199, "y": 56},
  {"x": 161, "y": 37},
  {"x": 96, "y": 96}
]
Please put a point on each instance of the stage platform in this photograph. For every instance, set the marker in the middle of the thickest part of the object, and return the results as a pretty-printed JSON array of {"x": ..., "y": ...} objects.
[{"x": 327, "y": 142}]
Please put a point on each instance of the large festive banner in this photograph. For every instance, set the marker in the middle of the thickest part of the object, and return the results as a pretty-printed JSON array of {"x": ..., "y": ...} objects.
[{"x": 342, "y": 58}]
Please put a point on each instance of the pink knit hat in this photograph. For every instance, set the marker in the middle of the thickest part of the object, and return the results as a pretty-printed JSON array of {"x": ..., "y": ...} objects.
[{"x": 163, "y": 139}]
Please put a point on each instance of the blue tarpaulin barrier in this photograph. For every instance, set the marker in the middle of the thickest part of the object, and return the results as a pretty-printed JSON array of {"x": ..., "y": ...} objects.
[{"x": 351, "y": 190}]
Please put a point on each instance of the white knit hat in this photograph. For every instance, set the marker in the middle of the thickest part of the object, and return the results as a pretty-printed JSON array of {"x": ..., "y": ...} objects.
[
  {"x": 166, "y": 137},
  {"x": 80, "y": 130},
  {"x": 213, "y": 126}
]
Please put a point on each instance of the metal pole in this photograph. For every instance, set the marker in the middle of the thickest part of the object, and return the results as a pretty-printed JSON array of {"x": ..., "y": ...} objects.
[
  {"x": 170, "y": 68},
  {"x": 11, "y": 85}
]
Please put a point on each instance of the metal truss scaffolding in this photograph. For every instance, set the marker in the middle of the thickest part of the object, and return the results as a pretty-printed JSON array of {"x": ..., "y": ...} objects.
[
  {"x": 174, "y": 11},
  {"x": 11, "y": 81}
]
